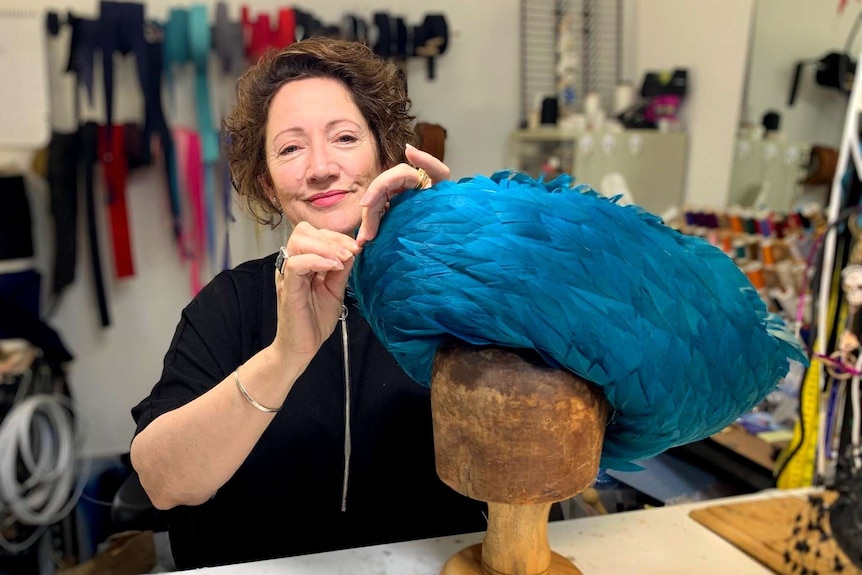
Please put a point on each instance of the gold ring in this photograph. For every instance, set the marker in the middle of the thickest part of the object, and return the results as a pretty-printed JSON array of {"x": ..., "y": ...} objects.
[{"x": 424, "y": 179}]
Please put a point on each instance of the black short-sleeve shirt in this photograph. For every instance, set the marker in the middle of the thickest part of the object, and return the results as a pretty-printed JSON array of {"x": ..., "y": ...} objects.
[{"x": 286, "y": 498}]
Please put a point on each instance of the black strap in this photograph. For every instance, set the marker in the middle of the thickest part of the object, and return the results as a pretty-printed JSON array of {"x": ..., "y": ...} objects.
[
  {"x": 433, "y": 41},
  {"x": 355, "y": 29},
  {"x": 63, "y": 152},
  {"x": 82, "y": 52},
  {"x": 89, "y": 157},
  {"x": 400, "y": 40},
  {"x": 383, "y": 44}
]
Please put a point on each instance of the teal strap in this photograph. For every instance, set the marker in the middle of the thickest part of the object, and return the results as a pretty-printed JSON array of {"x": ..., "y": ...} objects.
[
  {"x": 199, "y": 46},
  {"x": 199, "y": 49},
  {"x": 176, "y": 46}
]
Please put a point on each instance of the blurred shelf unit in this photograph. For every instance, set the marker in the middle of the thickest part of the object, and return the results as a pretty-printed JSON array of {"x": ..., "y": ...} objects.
[
  {"x": 767, "y": 173},
  {"x": 652, "y": 162}
]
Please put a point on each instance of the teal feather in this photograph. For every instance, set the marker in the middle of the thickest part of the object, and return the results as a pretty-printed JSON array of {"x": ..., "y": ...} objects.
[{"x": 664, "y": 323}]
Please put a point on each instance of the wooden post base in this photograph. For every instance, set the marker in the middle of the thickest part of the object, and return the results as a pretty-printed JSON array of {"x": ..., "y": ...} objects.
[
  {"x": 468, "y": 561},
  {"x": 519, "y": 435}
]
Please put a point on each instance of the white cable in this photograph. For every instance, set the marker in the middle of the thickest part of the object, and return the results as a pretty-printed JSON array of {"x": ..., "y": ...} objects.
[{"x": 46, "y": 492}]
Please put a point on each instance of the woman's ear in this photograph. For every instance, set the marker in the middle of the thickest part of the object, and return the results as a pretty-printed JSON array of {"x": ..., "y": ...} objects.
[{"x": 269, "y": 191}]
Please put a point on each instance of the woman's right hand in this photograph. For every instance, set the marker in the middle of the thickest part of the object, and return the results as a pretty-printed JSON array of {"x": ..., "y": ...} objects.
[{"x": 310, "y": 290}]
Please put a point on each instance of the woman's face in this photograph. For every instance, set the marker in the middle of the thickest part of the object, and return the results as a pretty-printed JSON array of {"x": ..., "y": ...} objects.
[{"x": 320, "y": 153}]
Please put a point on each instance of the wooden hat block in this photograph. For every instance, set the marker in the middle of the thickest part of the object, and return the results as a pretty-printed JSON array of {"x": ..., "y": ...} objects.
[{"x": 513, "y": 432}]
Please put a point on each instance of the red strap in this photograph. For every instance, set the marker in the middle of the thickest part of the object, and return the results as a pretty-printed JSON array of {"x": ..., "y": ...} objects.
[
  {"x": 112, "y": 156},
  {"x": 285, "y": 35},
  {"x": 261, "y": 37}
]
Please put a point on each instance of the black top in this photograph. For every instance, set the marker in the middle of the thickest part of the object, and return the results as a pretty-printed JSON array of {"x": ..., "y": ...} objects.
[{"x": 285, "y": 499}]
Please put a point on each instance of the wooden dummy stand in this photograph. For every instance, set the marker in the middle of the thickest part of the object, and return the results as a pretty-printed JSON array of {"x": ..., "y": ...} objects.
[{"x": 513, "y": 432}]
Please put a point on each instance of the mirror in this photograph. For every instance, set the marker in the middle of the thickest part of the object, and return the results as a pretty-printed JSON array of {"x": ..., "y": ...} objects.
[{"x": 801, "y": 60}]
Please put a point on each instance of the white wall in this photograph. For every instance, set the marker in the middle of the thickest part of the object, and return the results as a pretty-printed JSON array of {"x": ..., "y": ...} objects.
[
  {"x": 475, "y": 96},
  {"x": 786, "y": 31},
  {"x": 711, "y": 40}
]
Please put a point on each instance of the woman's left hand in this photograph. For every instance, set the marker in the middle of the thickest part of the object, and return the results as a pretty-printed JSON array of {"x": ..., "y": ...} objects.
[{"x": 392, "y": 182}]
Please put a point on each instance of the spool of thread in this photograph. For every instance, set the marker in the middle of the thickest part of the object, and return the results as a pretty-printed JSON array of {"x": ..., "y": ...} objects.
[
  {"x": 764, "y": 223},
  {"x": 767, "y": 254},
  {"x": 726, "y": 243},
  {"x": 749, "y": 224},
  {"x": 753, "y": 248},
  {"x": 739, "y": 251},
  {"x": 779, "y": 225},
  {"x": 712, "y": 221},
  {"x": 754, "y": 272},
  {"x": 550, "y": 111},
  {"x": 736, "y": 223}
]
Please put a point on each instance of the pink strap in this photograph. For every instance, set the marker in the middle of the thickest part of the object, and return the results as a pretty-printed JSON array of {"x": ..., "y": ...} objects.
[{"x": 190, "y": 161}]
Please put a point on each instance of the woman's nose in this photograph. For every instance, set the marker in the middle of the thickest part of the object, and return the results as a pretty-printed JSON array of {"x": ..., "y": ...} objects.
[{"x": 321, "y": 166}]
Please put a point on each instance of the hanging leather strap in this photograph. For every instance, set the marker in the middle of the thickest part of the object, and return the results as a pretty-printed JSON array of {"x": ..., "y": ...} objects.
[
  {"x": 158, "y": 123},
  {"x": 190, "y": 162},
  {"x": 88, "y": 155},
  {"x": 199, "y": 49},
  {"x": 228, "y": 42},
  {"x": 354, "y": 29},
  {"x": 63, "y": 151},
  {"x": 121, "y": 28},
  {"x": 176, "y": 46},
  {"x": 261, "y": 37},
  {"x": 285, "y": 34},
  {"x": 82, "y": 52},
  {"x": 112, "y": 156},
  {"x": 384, "y": 29}
]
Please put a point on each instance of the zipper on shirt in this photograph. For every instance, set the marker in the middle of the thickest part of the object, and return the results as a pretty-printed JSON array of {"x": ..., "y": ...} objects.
[{"x": 344, "y": 347}]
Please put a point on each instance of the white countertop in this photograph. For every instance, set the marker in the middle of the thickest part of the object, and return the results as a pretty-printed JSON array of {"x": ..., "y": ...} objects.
[{"x": 656, "y": 541}]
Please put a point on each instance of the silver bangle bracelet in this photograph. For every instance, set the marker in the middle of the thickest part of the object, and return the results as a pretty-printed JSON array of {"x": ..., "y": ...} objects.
[{"x": 249, "y": 398}]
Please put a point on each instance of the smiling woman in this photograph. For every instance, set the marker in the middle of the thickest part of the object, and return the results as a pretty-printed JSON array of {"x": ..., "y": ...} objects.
[
  {"x": 263, "y": 408},
  {"x": 377, "y": 93},
  {"x": 320, "y": 154}
]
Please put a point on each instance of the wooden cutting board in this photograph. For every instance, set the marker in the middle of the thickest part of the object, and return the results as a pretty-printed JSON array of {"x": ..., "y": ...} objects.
[{"x": 787, "y": 534}]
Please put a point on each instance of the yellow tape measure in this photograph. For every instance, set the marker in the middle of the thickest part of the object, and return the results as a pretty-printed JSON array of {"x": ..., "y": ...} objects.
[{"x": 798, "y": 471}]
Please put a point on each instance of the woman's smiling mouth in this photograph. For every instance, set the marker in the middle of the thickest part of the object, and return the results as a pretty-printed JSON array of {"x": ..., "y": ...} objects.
[{"x": 326, "y": 199}]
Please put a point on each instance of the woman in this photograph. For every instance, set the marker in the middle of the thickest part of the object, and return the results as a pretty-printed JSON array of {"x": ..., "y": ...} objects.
[{"x": 277, "y": 405}]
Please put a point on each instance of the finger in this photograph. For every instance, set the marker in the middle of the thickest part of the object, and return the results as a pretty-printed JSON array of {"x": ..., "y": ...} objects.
[
  {"x": 306, "y": 239},
  {"x": 369, "y": 227},
  {"x": 435, "y": 168},
  {"x": 309, "y": 264},
  {"x": 336, "y": 280},
  {"x": 389, "y": 183}
]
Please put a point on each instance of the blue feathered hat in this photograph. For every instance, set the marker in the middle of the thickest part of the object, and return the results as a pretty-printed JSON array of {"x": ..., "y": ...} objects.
[{"x": 665, "y": 324}]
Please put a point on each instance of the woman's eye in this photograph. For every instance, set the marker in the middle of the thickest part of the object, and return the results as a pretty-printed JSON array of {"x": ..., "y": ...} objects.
[
  {"x": 347, "y": 138},
  {"x": 288, "y": 150}
]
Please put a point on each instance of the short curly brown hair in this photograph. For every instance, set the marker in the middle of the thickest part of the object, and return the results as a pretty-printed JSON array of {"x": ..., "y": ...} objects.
[{"x": 378, "y": 87}]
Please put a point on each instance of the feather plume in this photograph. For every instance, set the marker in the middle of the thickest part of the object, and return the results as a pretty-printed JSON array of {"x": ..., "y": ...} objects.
[{"x": 665, "y": 324}]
